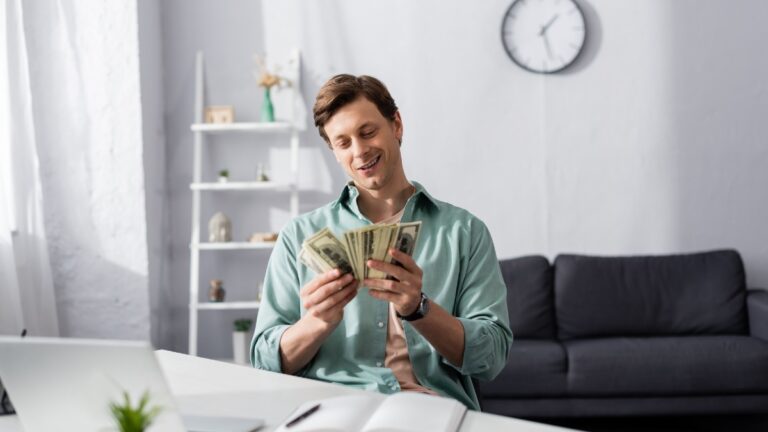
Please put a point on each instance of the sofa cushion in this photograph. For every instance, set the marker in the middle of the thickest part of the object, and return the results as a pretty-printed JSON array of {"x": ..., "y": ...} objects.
[
  {"x": 529, "y": 297},
  {"x": 701, "y": 293},
  {"x": 668, "y": 366},
  {"x": 536, "y": 368}
]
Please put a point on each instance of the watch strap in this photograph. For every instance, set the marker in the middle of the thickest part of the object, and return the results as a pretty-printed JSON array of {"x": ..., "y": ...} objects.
[{"x": 420, "y": 311}]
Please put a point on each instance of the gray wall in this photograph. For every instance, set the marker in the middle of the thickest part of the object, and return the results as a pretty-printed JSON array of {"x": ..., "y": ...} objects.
[
  {"x": 653, "y": 142},
  {"x": 153, "y": 136},
  {"x": 229, "y": 34}
]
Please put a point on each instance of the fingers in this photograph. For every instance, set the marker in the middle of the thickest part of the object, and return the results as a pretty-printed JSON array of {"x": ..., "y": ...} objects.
[
  {"x": 384, "y": 285},
  {"x": 329, "y": 289},
  {"x": 396, "y": 271},
  {"x": 406, "y": 260},
  {"x": 321, "y": 280},
  {"x": 339, "y": 299},
  {"x": 389, "y": 296}
]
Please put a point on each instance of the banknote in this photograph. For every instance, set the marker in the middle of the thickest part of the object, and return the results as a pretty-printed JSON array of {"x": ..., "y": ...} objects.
[
  {"x": 405, "y": 241},
  {"x": 323, "y": 251},
  {"x": 330, "y": 250}
]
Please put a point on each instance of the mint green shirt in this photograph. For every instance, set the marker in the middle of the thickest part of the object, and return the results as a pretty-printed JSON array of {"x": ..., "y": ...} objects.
[{"x": 460, "y": 273}]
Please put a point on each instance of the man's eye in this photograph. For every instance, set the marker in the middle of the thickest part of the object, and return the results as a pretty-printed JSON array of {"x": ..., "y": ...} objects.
[
  {"x": 342, "y": 144},
  {"x": 368, "y": 134}
]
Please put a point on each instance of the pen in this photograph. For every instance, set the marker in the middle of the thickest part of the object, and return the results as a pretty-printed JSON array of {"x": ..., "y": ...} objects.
[{"x": 302, "y": 416}]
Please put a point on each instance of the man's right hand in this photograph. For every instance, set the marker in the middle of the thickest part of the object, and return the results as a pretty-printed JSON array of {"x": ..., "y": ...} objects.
[{"x": 325, "y": 296}]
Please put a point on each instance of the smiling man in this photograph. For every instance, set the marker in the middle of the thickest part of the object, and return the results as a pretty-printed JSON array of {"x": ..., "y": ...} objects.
[{"x": 441, "y": 319}]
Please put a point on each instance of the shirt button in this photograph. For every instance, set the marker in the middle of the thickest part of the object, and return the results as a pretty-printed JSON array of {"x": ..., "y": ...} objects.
[
  {"x": 380, "y": 324},
  {"x": 379, "y": 364}
]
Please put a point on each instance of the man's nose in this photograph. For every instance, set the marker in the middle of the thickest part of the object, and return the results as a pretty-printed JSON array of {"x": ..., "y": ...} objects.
[{"x": 359, "y": 147}]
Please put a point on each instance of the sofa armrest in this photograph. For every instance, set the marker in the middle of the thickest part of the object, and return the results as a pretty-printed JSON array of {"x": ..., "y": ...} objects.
[{"x": 757, "y": 308}]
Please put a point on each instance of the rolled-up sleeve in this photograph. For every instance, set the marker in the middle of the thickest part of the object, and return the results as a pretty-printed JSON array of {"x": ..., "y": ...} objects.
[
  {"x": 280, "y": 303},
  {"x": 482, "y": 308}
]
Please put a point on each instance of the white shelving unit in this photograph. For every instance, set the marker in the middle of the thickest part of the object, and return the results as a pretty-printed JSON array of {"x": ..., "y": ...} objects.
[{"x": 200, "y": 130}]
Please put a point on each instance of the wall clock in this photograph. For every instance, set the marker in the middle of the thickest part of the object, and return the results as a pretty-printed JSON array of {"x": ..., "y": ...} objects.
[{"x": 543, "y": 36}]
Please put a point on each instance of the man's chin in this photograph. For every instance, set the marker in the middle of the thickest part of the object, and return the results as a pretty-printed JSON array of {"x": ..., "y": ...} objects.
[{"x": 369, "y": 184}]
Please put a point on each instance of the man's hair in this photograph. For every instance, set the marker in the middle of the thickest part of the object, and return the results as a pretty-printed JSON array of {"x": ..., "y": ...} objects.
[{"x": 344, "y": 89}]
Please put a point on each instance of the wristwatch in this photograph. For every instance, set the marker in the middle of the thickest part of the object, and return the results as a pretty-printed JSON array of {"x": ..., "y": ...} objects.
[{"x": 420, "y": 311}]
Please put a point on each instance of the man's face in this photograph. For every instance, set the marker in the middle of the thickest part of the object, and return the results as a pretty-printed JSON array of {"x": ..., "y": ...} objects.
[{"x": 365, "y": 143}]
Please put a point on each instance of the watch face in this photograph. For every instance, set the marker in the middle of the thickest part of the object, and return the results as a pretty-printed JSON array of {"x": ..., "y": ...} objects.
[{"x": 543, "y": 35}]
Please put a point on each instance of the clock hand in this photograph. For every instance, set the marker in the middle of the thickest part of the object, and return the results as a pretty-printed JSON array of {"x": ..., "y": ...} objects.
[
  {"x": 546, "y": 44},
  {"x": 548, "y": 24}
]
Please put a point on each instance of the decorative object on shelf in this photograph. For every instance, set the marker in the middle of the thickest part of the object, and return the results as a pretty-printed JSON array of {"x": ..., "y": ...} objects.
[
  {"x": 217, "y": 292},
  {"x": 219, "y": 228},
  {"x": 134, "y": 419},
  {"x": 220, "y": 114},
  {"x": 267, "y": 80},
  {"x": 223, "y": 176},
  {"x": 261, "y": 173},
  {"x": 544, "y": 36},
  {"x": 241, "y": 342},
  {"x": 260, "y": 237}
]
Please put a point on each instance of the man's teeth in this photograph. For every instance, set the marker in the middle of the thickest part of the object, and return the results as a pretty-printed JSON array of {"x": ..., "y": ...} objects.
[{"x": 370, "y": 164}]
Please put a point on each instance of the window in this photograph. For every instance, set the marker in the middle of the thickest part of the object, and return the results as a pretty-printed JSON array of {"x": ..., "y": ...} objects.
[{"x": 6, "y": 174}]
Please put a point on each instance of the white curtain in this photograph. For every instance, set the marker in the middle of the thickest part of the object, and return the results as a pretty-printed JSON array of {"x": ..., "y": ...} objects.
[{"x": 27, "y": 299}]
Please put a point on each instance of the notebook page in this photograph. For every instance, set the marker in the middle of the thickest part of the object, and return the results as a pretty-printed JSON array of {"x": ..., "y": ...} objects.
[{"x": 416, "y": 412}]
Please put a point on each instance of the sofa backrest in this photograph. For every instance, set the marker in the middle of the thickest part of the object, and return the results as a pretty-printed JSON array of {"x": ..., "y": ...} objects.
[
  {"x": 529, "y": 297},
  {"x": 699, "y": 293}
]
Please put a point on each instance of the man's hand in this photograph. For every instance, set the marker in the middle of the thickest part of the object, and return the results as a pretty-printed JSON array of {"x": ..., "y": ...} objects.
[
  {"x": 326, "y": 295},
  {"x": 405, "y": 291}
]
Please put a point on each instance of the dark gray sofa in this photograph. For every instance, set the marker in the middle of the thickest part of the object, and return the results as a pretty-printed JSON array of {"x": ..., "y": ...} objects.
[{"x": 632, "y": 336}]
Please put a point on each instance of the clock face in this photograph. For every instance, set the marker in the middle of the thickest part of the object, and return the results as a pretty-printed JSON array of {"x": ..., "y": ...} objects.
[{"x": 543, "y": 36}]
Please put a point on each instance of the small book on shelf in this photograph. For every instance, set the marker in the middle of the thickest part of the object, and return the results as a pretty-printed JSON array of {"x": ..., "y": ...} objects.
[{"x": 400, "y": 412}]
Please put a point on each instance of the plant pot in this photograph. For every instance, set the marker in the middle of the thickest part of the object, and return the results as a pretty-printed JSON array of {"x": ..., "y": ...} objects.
[{"x": 241, "y": 345}]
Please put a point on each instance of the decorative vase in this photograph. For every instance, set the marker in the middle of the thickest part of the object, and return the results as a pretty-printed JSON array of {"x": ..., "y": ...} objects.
[
  {"x": 219, "y": 228},
  {"x": 217, "y": 292},
  {"x": 267, "y": 110},
  {"x": 240, "y": 346}
]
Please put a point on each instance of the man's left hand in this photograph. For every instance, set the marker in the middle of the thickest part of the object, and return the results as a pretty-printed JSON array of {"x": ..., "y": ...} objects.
[{"x": 405, "y": 291}]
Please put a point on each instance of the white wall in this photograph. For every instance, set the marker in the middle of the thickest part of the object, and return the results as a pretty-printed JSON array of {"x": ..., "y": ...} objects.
[
  {"x": 652, "y": 143},
  {"x": 84, "y": 76}
]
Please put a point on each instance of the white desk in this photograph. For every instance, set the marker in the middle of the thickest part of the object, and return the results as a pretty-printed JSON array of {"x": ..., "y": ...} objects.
[{"x": 209, "y": 387}]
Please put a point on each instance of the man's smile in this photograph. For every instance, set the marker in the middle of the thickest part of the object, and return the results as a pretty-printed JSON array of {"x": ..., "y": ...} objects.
[{"x": 368, "y": 166}]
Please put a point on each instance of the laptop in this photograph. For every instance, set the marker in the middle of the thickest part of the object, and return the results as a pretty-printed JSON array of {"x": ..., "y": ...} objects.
[{"x": 68, "y": 384}]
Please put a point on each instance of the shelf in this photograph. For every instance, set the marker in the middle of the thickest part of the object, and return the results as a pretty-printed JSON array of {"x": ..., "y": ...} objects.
[
  {"x": 233, "y": 245},
  {"x": 227, "y": 186},
  {"x": 229, "y": 305},
  {"x": 242, "y": 127}
]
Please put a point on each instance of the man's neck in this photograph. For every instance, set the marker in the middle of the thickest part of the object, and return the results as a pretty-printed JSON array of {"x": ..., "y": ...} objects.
[{"x": 380, "y": 204}]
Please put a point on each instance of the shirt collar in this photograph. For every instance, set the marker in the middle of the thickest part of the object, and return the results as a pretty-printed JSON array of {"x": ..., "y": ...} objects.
[{"x": 349, "y": 194}]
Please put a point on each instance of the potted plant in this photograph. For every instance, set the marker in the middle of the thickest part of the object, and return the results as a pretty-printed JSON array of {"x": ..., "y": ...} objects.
[
  {"x": 134, "y": 419},
  {"x": 240, "y": 341},
  {"x": 223, "y": 176}
]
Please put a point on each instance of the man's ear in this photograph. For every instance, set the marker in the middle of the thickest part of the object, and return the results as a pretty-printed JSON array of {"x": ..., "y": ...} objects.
[{"x": 398, "y": 125}]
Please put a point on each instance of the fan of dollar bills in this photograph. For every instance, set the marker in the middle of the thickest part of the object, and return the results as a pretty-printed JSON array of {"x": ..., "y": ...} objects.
[{"x": 323, "y": 251}]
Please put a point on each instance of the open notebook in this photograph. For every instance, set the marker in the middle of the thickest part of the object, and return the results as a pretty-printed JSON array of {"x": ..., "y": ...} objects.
[{"x": 401, "y": 412}]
